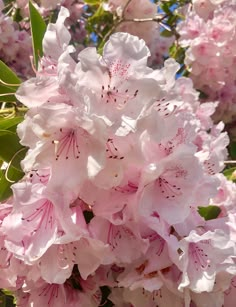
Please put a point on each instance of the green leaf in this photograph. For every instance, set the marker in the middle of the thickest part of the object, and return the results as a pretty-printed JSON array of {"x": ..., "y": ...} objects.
[
  {"x": 183, "y": 72},
  {"x": 3, "y": 302},
  {"x": 166, "y": 7},
  {"x": 38, "y": 29},
  {"x": 232, "y": 150},
  {"x": 100, "y": 47},
  {"x": 18, "y": 157},
  {"x": 172, "y": 20},
  {"x": 9, "y": 82},
  {"x": 202, "y": 95},
  {"x": 13, "y": 175},
  {"x": 9, "y": 298},
  {"x": 166, "y": 33},
  {"x": 210, "y": 212},
  {"x": 10, "y": 123},
  {"x": 17, "y": 15},
  {"x": 93, "y": 2},
  {"x": 11, "y": 150},
  {"x": 105, "y": 294},
  {"x": 178, "y": 53},
  {"x": 95, "y": 18},
  {"x": 8, "y": 75},
  {"x": 88, "y": 215},
  {"x": 229, "y": 174}
]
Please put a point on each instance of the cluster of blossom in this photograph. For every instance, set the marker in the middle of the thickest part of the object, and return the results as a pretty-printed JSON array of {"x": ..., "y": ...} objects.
[
  {"x": 209, "y": 32},
  {"x": 120, "y": 158},
  {"x": 75, "y": 24},
  {"x": 43, "y": 6},
  {"x": 15, "y": 45},
  {"x": 149, "y": 31}
]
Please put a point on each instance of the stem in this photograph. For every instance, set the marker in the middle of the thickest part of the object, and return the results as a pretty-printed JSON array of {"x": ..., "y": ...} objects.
[
  {"x": 157, "y": 18},
  {"x": 8, "y": 84},
  {"x": 110, "y": 32},
  {"x": 120, "y": 19},
  {"x": 9, "y": 165},
  {"x": 125, "y": 7},
  {"x": 13, "y": 110},
  {"x": 116, "y": 24}
]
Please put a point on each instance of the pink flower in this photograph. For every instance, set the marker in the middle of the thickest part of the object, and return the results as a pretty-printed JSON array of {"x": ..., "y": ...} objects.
[
  {"x": 169, "y": 186},
  {"x": 118, "y": 81},
  {"x": 202, "y": 257}
]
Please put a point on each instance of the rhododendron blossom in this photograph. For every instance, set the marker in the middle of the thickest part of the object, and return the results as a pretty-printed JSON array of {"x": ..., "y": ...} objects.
[
  {"x": 209, "y": 33},
  {"x": 15, "y": 43},
  {"x": 121, "y": 160}
]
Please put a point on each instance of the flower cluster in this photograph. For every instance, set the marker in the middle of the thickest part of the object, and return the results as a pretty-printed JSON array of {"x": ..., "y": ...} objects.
[
  {"x": 74, "y": 22},
  {"x": 136, "y": 9},
  {"x": 45, "y": 6},
  {"x": 15, "y": 44},
  {"x": 120, "y": 158},
  {"x": 209, "y": 32},
  {"x": 132, "y": 13}
]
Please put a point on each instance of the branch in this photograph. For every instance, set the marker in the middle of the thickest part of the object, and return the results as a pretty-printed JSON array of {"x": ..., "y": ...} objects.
[
  {"x": 13, "y": 110},
  {"x": 157, "y": 18}
]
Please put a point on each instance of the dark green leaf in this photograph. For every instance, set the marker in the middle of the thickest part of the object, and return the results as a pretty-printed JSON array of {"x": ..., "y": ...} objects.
[
  {"x": 202, "y": 95},
  {"x": 178, "y": 53},
  {"x": 10, "y": 123},
  {"x": 92, "y": 2},
  {"x": 229, "y": 173},
  {"x": 7, "y": 75},
  {"x": 232, "y": 150},
  {"x": 10, "y": 148},
  {"x": 88, "y": 215},
  {"x": 166, "y": 7},
  {"x": 105, "y": 294},
  {"x": 17, "y": 15},
  {"x": 166, "y": 33},
  {"x": 38, "y": 29},
  {"x": 100, "y": 23},
  {"x": 3, "y": 300},
  {"x": 172, "y": 50},
  {"x": 97, "y": 15},
  {"x": 6, "y": 180},
  {"x": 8, "y": 298},
  {"x": 172, "y": 20},
  {"x": 9, "y": 83},
  {"x": 18, "y": 157},
  {"x": 183, "y": 71},
  {"x": 210, "y": 212}
]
